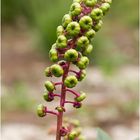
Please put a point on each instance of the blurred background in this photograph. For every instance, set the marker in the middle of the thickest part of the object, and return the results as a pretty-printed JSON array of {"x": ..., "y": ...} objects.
[{"x": 29, "y": 30}]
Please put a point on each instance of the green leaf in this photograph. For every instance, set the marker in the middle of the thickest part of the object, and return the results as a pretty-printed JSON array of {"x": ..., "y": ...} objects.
[{"x": 101, "y": 135}]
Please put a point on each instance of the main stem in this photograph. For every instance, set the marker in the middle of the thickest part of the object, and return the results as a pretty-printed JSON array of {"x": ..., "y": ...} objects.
[{"x": 62, "y": 103}]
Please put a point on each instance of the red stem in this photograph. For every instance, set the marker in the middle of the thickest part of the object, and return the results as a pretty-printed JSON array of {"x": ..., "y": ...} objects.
[
  {"x": 69, "y": 102},
  {"x": 51, "y": 112},
  {"x": 62, "y": 103},
  {"x": 57, "y": 95},
  {"x": 61, "y": 55},
  {"x": 76, "y": 94},
  {"x": 74, "y": 72},
  {"x": 59, "y": 83}
]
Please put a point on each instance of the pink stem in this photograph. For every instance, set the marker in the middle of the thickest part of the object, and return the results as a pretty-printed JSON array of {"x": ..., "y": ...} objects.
[
  {"x": 65, "y": 66},
  {"x": 75, "y": 93},
  {"x": 74, "y": 71},
  {"x": 62, "y": 103},
  {"x": 69, "y": 102},
  {"x": 58, "y": 83},
  {"x": 63, "y": 49},
  {"x": 61, "y": 55},
  {"x": 52, "y": 112},
  {"x": 57, "y": 95}
]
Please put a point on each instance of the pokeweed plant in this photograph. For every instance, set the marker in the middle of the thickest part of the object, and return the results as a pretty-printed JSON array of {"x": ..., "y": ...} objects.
[{"x": 72, "y": 46}]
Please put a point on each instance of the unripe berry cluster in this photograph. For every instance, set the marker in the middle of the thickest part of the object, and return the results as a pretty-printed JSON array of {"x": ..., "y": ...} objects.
[
  {"x": 74, "y": 130},
  {"x": 72, "y": 46}
]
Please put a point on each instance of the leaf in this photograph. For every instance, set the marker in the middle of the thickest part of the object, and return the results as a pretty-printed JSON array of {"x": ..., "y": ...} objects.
[{"x": 101, "y": 135}]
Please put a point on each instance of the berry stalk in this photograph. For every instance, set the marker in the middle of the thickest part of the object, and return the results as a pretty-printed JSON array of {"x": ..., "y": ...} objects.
[
  {"x": 73, "y": 44},
  {"x": 62, "y": 104}
]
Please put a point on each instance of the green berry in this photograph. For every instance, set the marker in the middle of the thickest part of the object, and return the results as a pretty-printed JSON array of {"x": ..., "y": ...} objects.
[
  {"x": 47, "y": 72},
  {"x": 81, "y": 97},
  {"x": 83, "y": 62},
  {"x": 49, "y": 86},
  {"x": 71, "y": 55},
  {"x": 108, "y": 1},
  {"x": 57, "y": 70},
  {"x": 75, "y": 9},
  {"x": 105, "y": 7},
  {"x": 60, "y": 109},
  {"x": 90, "y": 3},
  {"x": 53, "y": 55},
  {"x": 41, "y": 110},
  {"x": 98, "y": 26},
  {"x": 82, "y": 75},
  {"x": 70, "y": 81},
  {"x": 54, "y": 46},
  {"x": 47, "y": 97},
  {"x": 82, "y": 42},
  {"x": 90, "y": 34},
  {"x": 88, "y": 50},
  {"x": 66, "y": 20},
  {"x": 61, "y": 41},
  {"x": 73, "y": 28},
  {"x": 86, "y": 22},
  {"x": 72, "y": 135},
  {"x": 60, "y": 30},
  {"x": 96, "y": 14}
]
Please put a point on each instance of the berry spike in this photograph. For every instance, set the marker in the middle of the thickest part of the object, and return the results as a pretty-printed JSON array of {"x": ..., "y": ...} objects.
[{"x": 73, "y": 44}]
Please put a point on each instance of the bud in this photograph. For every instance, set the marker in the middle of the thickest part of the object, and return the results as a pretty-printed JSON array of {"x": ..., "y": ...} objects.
[
  {"x": 73, "y": 28},
  {"x": 105, "y": 7},
  {"x": 83, "y": 62},
  {"x": 82, "y": 42},
  {"x": 86, "y": 22},
  {"x": 90, "y": 3},
  {"x": 72, "y": 135},
  {"x": 82, "y": 75},
  {"x": 81, "y": 97},
  {"x": 90, "y": 34},
  {"x": 96, "y": 14},
  {"x": 49, "y": 86},
  {"x": 47, "y": 72},
  {"x": 57, "y": 70},
  {"x": 41, "y": 110},
  {"x": 48, "y": 97},
  {"x": 98, "y": 26},
  {"x": 60, "y": 30},
  {"x": 88, "y": 50},
  {"x": 61, "y": 41},
  {"x": 66, "y": 20},
  {"x": 75, "y": 9},
  {"x": 53, "y": 55},
  {"x": 71, "y": 55},
  {"x": 71, "y": 81}
]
